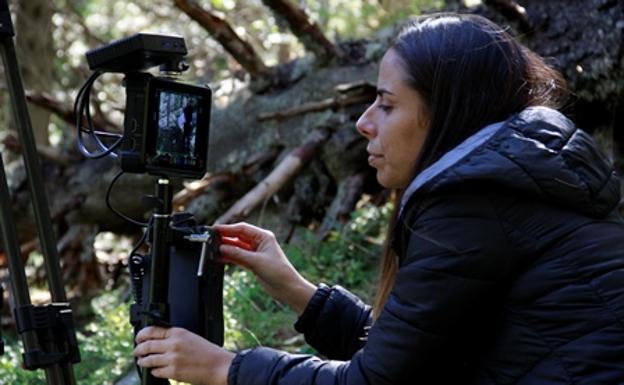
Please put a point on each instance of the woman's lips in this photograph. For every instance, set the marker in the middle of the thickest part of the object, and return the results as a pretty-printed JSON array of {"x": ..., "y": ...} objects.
[{"x": 373, "y": 159}]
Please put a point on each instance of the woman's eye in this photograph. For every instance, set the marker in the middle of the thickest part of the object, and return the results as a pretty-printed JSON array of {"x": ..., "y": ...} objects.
[{"x": 384, "y": 107}]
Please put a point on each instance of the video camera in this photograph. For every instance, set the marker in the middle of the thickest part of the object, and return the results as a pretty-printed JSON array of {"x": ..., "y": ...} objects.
[
  {"x": 166, "y": 126},
  {"x": 166, "y": 122}
]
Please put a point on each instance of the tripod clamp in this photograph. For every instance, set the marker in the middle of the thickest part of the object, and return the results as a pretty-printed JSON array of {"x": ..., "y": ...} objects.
[{"x": 54, "y": 325}]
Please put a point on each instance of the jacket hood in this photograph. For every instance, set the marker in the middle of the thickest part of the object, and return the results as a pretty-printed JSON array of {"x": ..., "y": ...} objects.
[{"x": 538, "y": 152}]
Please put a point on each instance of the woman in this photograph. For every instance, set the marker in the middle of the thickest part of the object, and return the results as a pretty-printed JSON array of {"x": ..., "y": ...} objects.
[{"x": 505, "y": 264}]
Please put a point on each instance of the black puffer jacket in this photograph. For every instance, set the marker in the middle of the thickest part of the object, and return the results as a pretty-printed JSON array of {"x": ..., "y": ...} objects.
[{"x": 511, "y": 272}]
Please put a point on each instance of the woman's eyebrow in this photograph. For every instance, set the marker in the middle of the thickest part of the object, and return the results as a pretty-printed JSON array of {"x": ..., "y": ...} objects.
[{"x": 382, "y": 91}]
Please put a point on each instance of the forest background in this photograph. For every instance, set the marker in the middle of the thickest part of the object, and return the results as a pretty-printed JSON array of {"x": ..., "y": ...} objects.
[{"x": 289, "y": 80}]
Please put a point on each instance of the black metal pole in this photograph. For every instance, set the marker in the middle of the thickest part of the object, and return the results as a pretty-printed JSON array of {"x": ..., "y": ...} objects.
[
  {"x": 57, "y": 373},
  {"x": 158, "y": 295},
  {"x": 19, "y": 284},
  {"x": 33, "y": 168}
]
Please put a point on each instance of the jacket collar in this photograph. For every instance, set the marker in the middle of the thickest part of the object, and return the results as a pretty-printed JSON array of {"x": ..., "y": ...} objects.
[
  {"x": 449, "y": 159},
  {"x": 537, "y": 153}
]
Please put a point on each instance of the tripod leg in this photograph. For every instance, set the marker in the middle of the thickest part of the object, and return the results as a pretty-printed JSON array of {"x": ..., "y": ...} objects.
[{"x": 58, "y": 373}]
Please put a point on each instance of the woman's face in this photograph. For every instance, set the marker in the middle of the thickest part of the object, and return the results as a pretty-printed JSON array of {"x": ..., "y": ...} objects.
[{"x": 395, "y": 125}]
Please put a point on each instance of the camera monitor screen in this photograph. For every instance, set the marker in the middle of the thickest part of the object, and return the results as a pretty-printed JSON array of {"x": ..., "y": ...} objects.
[{"x": 177, "y": 138}]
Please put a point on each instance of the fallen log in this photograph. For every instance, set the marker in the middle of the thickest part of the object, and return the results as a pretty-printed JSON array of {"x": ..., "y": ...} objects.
[{"x": 284, "y": 172}]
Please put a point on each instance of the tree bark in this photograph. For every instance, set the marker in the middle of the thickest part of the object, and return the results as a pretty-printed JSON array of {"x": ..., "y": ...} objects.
[
  {"x": 513, "y": 11},
  {"x": 584, "y": 40},
  {"x": 35, "y": 51}
]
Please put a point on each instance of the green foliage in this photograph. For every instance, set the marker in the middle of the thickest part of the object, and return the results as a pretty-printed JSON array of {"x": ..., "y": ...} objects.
[
  {"x": 11, "y": 371},
  {"x": 349, "y": 257},
  {"x": 105, "y": 348},
  {"x": 252, "y": 318},
  {"x": 351, "y": 19},
  {"x": 106, "y": 344}
]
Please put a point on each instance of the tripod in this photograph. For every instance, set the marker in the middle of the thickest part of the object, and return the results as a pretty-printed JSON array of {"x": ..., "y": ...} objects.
[{"x": 47, "y": 331}]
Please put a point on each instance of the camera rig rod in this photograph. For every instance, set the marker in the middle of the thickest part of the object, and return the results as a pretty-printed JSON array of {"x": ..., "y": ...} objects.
[
  {"x": 47, "y": 331},
  {"x": 158, "y": 309}
]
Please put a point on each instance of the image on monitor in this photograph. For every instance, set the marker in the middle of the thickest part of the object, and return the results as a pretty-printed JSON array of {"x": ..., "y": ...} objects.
[{"x": 176, "y": 141}]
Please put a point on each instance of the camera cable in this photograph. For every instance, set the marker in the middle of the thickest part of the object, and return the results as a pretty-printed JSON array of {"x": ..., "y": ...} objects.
[
  {"x": 82, "y": 110},
  {"x": 114, "y": 210}
]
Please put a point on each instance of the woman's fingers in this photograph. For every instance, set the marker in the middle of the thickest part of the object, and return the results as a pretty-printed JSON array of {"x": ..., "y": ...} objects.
[
  {"x": 238, "y": 255},
  {"x": 247, "y": 233},
  {"x": 163, "y": 372},
  {"x": 236, "y": 242},
  {"x": 151, "y": 333},
  {"x": 151, "y": 340},
  {"x": 153, "y": 360},
  {"x": 150, "y": 347}
]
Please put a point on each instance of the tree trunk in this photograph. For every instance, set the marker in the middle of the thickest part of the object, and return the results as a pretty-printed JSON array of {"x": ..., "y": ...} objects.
[{"x": 35, "y": 51}]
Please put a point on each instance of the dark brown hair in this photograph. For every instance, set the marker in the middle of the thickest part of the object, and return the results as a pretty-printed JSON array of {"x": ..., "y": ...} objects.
[{"x": 470, "y": 73}]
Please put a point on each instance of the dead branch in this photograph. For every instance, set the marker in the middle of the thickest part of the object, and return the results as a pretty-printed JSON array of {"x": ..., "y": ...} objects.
[
  {"x": 25, "y": 250},
  {"x": 349, "y": 191},
  {"x": 242, "y": 51},
  {"x": 197, "y": 188},
  {"x": 309, "y": 33},
  {"x": 284, "y": 172},
  {"x": 330, "y": 103},
  {"x": 66, "y": 112},
  {"x": 354, "y": 189},
  {"x": 12, "y": 143},
  {"x": 349, "y": 94},
  {"x": 260, "y": 159},
  {"x": 512, "y": 11}
]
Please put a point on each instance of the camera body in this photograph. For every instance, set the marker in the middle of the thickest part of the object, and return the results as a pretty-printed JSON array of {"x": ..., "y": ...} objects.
[{"x": 166, "y": 127}]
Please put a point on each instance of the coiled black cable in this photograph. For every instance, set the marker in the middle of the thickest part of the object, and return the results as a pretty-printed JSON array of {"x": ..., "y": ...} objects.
[{"x": 82, "y": 110}]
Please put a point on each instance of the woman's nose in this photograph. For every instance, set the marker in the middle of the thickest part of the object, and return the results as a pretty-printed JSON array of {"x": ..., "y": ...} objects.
[{"x": 365, "y": 125}]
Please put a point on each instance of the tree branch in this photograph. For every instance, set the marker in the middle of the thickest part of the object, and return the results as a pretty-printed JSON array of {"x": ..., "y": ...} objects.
[
  {"x": 309, "y": 33},
  {"x": 66, "y": 112},
  {"x": 333, "y": 103},
  {"x": 350, "y": 94},
  {"x": 10, "y": 142},
  {"x": 349, "y": 192},
  {"x": 197, "y": 188},
  {"x": 512, "y": 11},
  {"x": 242, "y": 51},
  {"x": 284, "y": 172}
]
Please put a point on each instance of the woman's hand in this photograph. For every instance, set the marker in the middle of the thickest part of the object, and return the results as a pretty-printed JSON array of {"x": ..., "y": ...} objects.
[
  {"x": 257, "y": 250},
  {"x": 178, "y": 354}
]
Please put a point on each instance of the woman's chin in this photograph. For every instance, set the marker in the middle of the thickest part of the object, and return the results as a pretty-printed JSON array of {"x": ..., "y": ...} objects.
[
  {"x": 384, "y": 181},
  {"x": 387, "y": 181}
]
